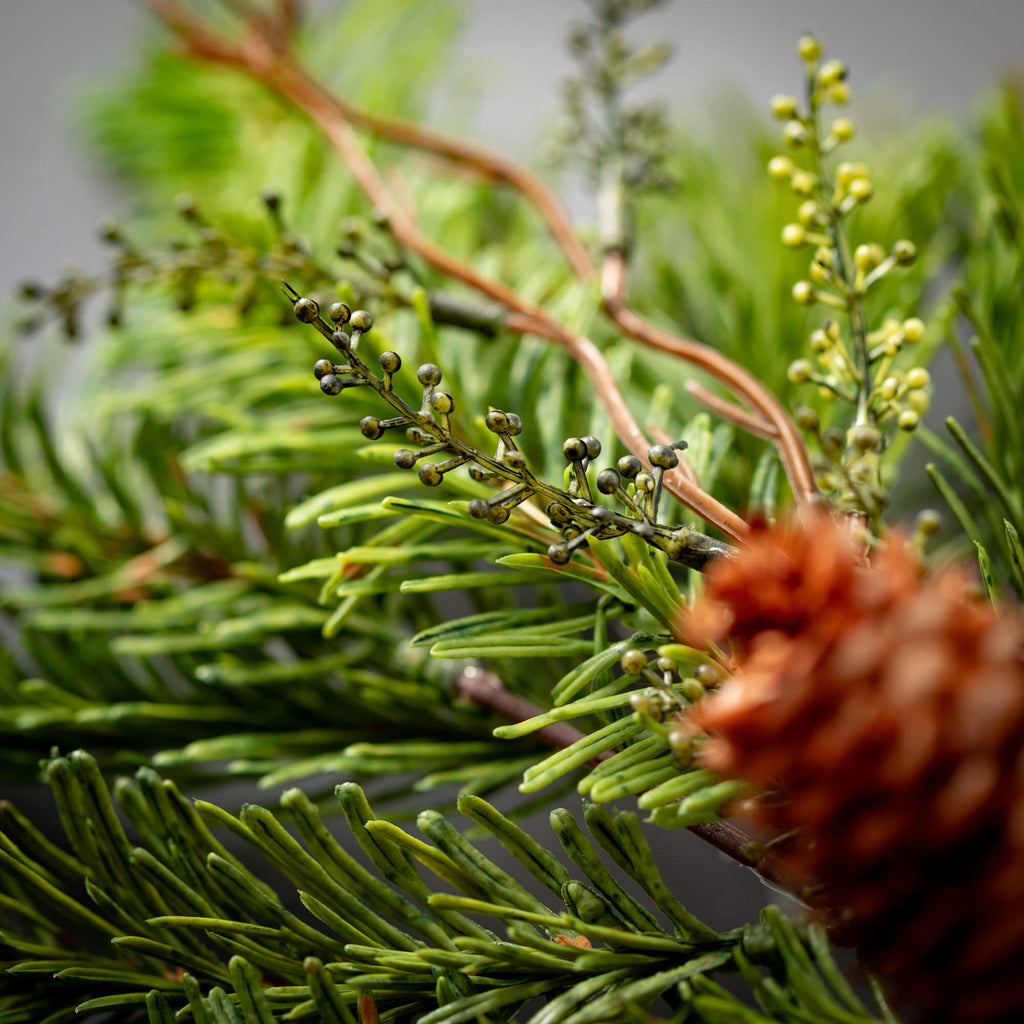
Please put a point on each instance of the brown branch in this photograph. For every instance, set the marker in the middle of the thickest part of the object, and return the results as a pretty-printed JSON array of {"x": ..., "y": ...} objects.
[
  {"x": 484, "y": 688},
  {"x": 750, "y": 422},
  {"x": 792, "y": 450},
  {"x": 280, "y": 72}
]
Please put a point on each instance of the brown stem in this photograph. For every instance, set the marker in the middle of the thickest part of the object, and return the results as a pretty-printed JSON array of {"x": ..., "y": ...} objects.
[
  {"x": 484, "y": 688},
  {"x": 750, "y": 422}
]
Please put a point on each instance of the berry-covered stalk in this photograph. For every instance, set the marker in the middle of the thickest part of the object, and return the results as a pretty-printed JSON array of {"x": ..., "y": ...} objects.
[{"x": 856, "y": 364}]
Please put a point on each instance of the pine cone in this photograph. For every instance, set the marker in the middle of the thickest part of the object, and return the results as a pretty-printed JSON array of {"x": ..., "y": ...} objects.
[{"x": 881, "y": 713}]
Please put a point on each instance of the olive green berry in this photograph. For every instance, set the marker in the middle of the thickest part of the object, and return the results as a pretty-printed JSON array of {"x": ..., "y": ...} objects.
[
  {"x": 390, "y": 362},
  {"x": 574, "y": 449},
  {"x": 928, "y": 522},
  {"x": 662, "y": 456},
  {"x": 608, "y": 481},
  {"x": 322, "y": 367},
  {"x": 496, "y": 422},
  {"x": 429, "y": 375},
  {"x": 633, "y": 662},
  {"x": 339, "y": 313},
  {"x": 559, "y": 554},
  {"x": 306, "y": 310},
  {"x": 369, "y": 426},
  {"x": 908, "y": 420},
  {"x": 331, "y": 384},
  {"x": 361, "y": 321},
  {"x": 865, "y": 438},
  {"x": 629, "y": 466},
  {"x": 442, "y": 403}
]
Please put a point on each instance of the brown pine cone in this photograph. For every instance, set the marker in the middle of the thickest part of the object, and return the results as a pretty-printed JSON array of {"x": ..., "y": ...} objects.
[{"x": 881, "y": 713}]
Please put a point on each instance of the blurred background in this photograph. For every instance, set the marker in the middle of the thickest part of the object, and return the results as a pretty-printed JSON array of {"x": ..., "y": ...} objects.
[{"x": 916, "y": 56}]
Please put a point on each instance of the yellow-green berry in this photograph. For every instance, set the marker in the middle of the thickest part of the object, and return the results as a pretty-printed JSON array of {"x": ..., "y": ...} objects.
[
  {"x": 928, "y": 522},
  {"x": 799, "y": 371},
  {"x": 784, "y": 107},
  {"x": 846, "y": 172},
  {"x": 839, "y": 94},
  {"x": 917, "y": 377},
  {"x": 913, "y": 330},
  {"x": 842, "y": 129},
  {"x": 441, "y": 402},
  {"x": 861, "y": 473},
  {"x": 807, "y": 213},
  {"x": 888, "y": 388},
  {"x": 861, "y": 189},
  {"x": 867, "y": 257},
  {"x": 904, "y": 252},
  {"x": 808, "y": 48},
  {"x": 780, "y": 168},
  {"x": 831, "y": 72},
  {"x": 805, "y": 293},
  {"x": 918, "y": 401},
  {"x": 894, "y": 344},
  {"x": 794, "y": 235},
  {"x": 908, "y": 420},
  {"x": 818, "y": 274},
  {"x": 803, "y": 183},
  {"x": 794, "y": 134},
  {"x": 820, "y": 342}
]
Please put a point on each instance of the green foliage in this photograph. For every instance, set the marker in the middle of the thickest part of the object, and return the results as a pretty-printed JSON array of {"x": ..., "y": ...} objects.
[
  {"x": 211, "y": 570},
  {"x": 987, "y": 307},
  {"x": 179, "y": 923}
]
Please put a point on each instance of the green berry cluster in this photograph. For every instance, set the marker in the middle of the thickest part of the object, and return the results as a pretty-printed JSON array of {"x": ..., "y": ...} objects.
[
  {"x": 848, "y": 360},
  {"x": 571, "y": 509},
  {"x": 667, "y": 696}
]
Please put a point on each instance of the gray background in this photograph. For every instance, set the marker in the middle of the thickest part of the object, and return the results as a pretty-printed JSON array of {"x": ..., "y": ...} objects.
[
  {"x": 935, "y": 54},
  {"x": 917, "y": 55}
]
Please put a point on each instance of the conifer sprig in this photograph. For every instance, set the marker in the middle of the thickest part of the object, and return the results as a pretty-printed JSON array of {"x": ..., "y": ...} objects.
[{"x": 572, "y": 509}]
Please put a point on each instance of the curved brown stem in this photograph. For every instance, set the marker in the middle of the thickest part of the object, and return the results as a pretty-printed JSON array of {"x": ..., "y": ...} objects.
[{"x": 750, "y": 422}]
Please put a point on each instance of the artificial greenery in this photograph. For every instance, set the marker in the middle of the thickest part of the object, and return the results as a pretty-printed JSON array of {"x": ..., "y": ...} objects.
[{"x": 211, "y": 571}]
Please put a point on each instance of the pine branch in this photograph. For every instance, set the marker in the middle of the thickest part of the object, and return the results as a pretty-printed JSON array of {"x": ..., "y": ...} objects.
[{"x": 193, "y": 927}]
